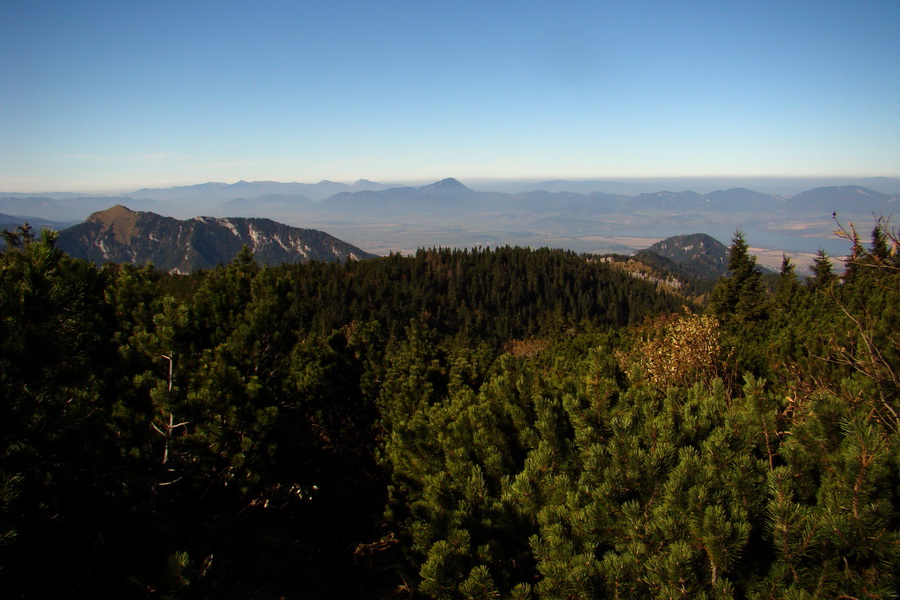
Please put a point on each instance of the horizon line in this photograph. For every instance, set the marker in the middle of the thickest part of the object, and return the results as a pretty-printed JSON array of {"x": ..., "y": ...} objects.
[{"x": 611, "y": 179}]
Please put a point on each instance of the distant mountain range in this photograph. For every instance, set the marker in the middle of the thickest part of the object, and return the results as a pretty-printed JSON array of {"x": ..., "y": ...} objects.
[
  {"x": 121, "y": 235},
  {"x": 364, "y": 199},
  {"x": 382, "y": 218},
  {"x": 255, "y": 189}
]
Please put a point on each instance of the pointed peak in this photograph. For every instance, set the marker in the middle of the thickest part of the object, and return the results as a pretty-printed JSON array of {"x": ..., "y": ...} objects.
[
  {"x": 119, "y": 219},
  {"x": 444, "y": 185},
  {"x": 112, "y": 213}
]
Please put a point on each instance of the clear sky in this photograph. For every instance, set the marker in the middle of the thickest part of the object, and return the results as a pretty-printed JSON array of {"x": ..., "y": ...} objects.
[{"x": 103, "y": 96}]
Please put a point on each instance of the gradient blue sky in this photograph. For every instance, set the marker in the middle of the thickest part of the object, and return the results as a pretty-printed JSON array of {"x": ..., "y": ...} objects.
[{"x": 104, "y": 96}]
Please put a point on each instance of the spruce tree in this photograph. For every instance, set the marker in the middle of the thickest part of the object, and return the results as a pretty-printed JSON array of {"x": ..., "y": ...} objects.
[
  {"x": 879, "y": 252},
  {"x": 822, "y": 272},
  {"x": 787, "y": 286},
  {"x": 740, "y": 297}
]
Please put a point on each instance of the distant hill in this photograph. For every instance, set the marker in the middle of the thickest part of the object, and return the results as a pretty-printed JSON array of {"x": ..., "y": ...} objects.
[
  {"x": 448, "y": 186},
  {"x": 121, "y": 235},
  {"x": 841, "y": 198},
  {"x": 697, "y": 253},
  {"x": 279, "y": 206},
  {"x": 223, "y": 192},
  {"x": 742, "y": 199},
  {"x": 672, "y": 200}
]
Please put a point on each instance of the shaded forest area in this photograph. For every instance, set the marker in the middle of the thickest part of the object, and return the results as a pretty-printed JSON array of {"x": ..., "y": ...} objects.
[{"x": 505, "y": 423}]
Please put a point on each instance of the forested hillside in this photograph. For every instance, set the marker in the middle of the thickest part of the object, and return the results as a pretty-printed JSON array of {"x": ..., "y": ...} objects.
[{"x": 498, "y": 423}]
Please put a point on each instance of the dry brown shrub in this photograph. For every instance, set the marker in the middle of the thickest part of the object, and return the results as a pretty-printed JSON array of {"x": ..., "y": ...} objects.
[
  {"x": 525, "y": 348},
  {"x": 676, "y": 351}
]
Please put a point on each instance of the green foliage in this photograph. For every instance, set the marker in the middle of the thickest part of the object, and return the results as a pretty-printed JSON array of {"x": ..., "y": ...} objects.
[
  {"x": 55, "y": 404},
  {"x": 832, "y": 509},
  {"x": 787, "y": 287},
  {"x": 822, "y": 272},
  {"x": 492, "y": 295},
  {"x": 741, "y": 296},
  {"x": 456, "y": 424}
]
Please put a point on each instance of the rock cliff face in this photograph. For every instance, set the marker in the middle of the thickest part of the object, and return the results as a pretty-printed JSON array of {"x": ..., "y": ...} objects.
[{"x": 126, "y": 236}]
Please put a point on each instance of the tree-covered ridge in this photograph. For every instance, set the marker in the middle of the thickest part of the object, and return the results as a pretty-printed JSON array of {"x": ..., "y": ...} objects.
[
  {"x": 489, "y": 294},
  {"x": 456, "y": 424}
]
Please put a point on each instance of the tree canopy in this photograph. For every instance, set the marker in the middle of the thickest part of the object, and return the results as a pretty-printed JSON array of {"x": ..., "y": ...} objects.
[{"x": 502, "y": 423}]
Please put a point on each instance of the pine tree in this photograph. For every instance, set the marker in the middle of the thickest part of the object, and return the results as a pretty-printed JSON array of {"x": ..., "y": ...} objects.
[
  {"x": 822, "y": 272},
  {"x": 879, "y": 250},
  {"x": 787, "y": 286},
  {"x": 61, "y": 500},
  {"x": 741, "y": 296},
  {"x": 855, "y": 260},
  {"x": 831, "y": 509}
]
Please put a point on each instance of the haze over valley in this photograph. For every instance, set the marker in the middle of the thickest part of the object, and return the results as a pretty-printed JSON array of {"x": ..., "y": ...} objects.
[{"x": 584, "y": 216}]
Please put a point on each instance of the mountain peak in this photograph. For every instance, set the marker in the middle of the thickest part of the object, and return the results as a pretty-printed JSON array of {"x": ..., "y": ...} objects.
[
  {"x": 445, "y": 185},
  {"x": 118, "y": 219},
  {"x": 110, "y": 214},
  {"x": 840, "y": 189},
  {"x": 825, "y": 200},
  {"x": 698, "y": 253}
]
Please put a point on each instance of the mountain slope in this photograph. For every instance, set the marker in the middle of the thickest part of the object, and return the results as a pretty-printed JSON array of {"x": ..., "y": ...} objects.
[
  {"x": 697, "y": 253},
  {"x": 278, "y": 206},
  {"x": 668, "y": 200},
  {"x": 742, "y": 200},
  {"x": 841, "y": 198},
  {"x": 119, "y": 234}
]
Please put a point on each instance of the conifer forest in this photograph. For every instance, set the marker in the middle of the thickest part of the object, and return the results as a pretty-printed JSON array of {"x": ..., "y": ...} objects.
[{"x": 455, "y": 424}]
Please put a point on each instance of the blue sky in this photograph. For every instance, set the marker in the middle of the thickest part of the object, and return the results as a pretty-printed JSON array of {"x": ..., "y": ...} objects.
[{"x": 104, "y": 96}]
